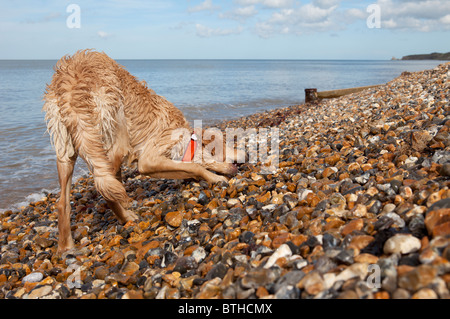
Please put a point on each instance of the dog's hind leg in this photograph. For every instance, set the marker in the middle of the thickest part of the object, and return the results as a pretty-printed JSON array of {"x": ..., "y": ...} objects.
[
  {"x": 121, "y": 213},
  {"x": 65, "y": 172},
  {"x": 88, "y": 142}
]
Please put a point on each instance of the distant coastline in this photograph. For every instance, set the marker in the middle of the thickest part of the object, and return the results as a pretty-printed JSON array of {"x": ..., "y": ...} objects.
[{"x": 431, "y": 56}]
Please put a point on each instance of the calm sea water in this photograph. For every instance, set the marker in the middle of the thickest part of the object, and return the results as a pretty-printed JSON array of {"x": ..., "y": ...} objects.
[{"x": 205, "y": 90}]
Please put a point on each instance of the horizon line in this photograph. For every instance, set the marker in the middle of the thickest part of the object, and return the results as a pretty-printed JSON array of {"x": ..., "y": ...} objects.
[{"x": 213, "y": 59}]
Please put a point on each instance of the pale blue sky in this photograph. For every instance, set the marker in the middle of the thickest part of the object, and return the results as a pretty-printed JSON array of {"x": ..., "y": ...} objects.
[{"x": 221, "y": 29}]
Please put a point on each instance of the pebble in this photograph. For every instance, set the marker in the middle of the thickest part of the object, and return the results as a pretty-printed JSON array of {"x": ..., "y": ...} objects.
[
  {"x": 174, "y": 219},
  {"x": 312, "y": 283},
  {"x": 33, "y": 277},
  {"x": 39, "y": 292},
  {"x": 282, "y": 252},
  {"x": 417, "y": 278},
  {"x": 425, "y": 293},
  {"x": 361, "y": 191},
  {"x": 438, "y": 222},
  {"x": 402, "y": 243}
]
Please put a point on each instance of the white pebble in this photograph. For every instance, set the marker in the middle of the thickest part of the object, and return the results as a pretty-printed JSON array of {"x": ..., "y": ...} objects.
[
  {"x": 199, "y": 254},
  {"x": 282, "y": 251},
  {"x": 402, "y": 243},
  {"x": 33, "y": 277}
]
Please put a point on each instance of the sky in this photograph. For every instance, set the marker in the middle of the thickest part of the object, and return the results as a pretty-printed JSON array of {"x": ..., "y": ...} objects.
[{"x": 225, "y": 29}]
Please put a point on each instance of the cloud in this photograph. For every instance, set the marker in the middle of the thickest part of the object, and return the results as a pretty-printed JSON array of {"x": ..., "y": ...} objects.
[
  {"x": 207, "y": 32},
  {"x": 206, "y": 5},
  {"x": 277, "y": 3},
  {"x": 445, "y": 20},
  {"x": 47, "y": 18},
  {"x": 240, "y": 14},
  {"x": 304, "y": 19},
  {"x": 268, "y": 18},
  {"x": 324, "y": 4},
  {"x": 266, "y": 3},
  {"x": 417, "y": 15},
  {"x": 103, "y": 34}
]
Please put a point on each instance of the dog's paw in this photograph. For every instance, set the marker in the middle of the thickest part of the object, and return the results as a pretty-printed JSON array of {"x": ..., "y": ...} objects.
[
  {"x": 217, "y": 179},
  {"x": 63, "y": 252},
  {"x": 131, "y": 216}
]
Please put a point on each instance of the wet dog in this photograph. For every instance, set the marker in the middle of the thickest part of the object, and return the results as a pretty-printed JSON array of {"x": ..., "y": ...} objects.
[{"x": 97, "y": 110}]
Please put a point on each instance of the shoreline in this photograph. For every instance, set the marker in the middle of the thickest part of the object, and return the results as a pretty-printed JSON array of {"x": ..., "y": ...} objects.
[{"x": 363, "y": 180}]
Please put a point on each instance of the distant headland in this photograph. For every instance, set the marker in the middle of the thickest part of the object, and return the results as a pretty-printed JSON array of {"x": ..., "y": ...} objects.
[{"x": 431, "y": 56}]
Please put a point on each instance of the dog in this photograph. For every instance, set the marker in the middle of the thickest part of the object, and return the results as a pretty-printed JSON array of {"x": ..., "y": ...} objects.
[{"x": 95, "y": 109}]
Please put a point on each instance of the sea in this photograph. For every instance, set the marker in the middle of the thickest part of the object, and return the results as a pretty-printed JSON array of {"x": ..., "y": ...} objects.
[{"x": 207, "y": 90}]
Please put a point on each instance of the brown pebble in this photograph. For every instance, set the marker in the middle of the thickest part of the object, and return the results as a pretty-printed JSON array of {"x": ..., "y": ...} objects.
[
  {"x": 417, "y": 278},
  {"x": 356, "y": 224},
  {"x": 438, "y": 222},
  {"x": 174, "y": 219}
]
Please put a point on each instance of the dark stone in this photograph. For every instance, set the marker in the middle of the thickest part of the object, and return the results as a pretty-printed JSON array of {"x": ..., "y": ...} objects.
[
  {"x": 395, "y": 185},
  {"x": 324, "y": 264},
  {"x": 202, "y": 198},
  {"x": 141, "y": 281},
  {"x": 246, "y": 237},
  {"x": 375, "y": 207},
  {"x": 353, "y": 190},
  {"x": 199, "y": 281},
  {"x": 170, "y": 257},
  {"x": 294, "y": 248},
  {"x": 219, "y": 270},
  {"x": 143, "y": 264},
  {"x": 329, "y": 241},
  {"x": 64, "y": 292},
  {"x": 383, "y": 223},
  {"x": 344, "y": 257},
  {"x": 417, "y": 226},
  {"x": 185, "y": 264},
  {"x": 189, "y": 273},
  {"x": 312, "y": 242},
  {"x": 86, "y": 287},
  {"x": 410, "y": 260},
  {"x": 322, "y": 205},
  {"x": 288, "y": 292}
]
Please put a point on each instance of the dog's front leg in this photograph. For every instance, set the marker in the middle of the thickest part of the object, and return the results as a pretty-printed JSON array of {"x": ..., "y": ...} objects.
[
  {"x": 162, "y": 167},
  {"x": 65, "y": 172}
]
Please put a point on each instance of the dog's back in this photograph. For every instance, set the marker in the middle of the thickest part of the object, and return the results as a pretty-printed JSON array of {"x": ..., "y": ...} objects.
[
  {"x": 95, "y": 109},
  {"x": 85, "y": 116}
]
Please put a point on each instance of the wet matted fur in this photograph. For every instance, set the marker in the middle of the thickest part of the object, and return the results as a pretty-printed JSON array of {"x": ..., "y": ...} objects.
[{"x": 97, "y": 110}]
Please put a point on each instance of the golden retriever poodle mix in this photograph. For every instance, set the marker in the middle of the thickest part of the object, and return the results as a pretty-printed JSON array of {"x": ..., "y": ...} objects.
[{"x": 97, "y": 110}]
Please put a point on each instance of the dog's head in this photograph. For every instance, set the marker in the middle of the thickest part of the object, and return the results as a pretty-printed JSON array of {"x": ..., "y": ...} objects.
[
  {"x": 212, "y": 150},
  {"x": 217, "y": 153}
]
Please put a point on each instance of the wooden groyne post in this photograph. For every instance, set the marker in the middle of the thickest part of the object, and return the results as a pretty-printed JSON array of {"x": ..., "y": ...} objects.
[{"x": 312, "y": 96}]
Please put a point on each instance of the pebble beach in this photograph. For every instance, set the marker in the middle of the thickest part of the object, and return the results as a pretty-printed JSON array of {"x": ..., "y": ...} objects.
[{"x": 359, "y": 208}]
